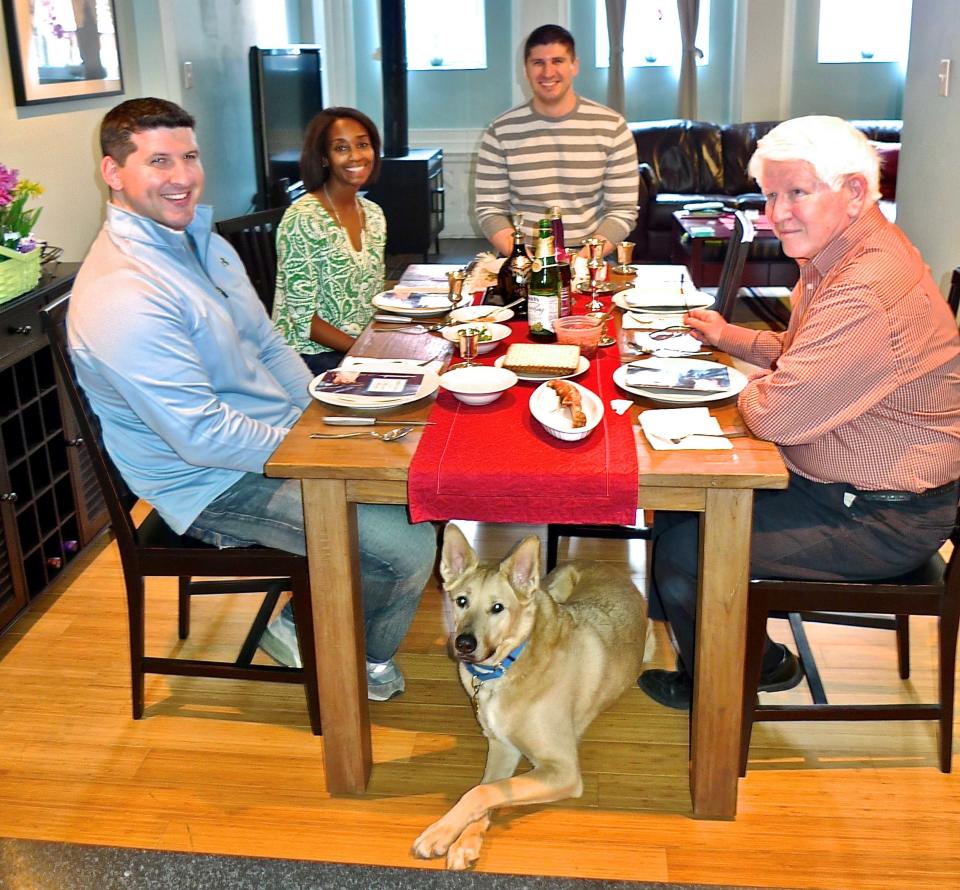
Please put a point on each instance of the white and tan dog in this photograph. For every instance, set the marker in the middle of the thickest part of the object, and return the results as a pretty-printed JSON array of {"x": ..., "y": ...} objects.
[{"x": 539, "y": 664}]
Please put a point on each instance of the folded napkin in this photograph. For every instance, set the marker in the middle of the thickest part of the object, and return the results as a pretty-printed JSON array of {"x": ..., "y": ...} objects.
[
  {"x": 401, "y": 289},
  {"x": 388, "y": 364},
  {"x": 682, "y": 344},
  {"x": 662, "y": 425},
  {"x": 483, "y": 272},
  {"x": 650, "y": 322}
]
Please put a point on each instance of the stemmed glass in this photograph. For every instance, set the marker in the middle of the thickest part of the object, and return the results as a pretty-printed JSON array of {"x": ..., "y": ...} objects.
[
  {"x": 624, "y": 255},
  {"x": 468, "y": 339},
  {"x": 594, "y": 264},
  {"x": 455, "y": 281}
]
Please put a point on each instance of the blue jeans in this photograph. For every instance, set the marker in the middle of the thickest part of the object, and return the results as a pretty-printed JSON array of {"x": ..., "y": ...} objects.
[
  {"x": 806, "y": 531},
  {"x": 396, "y": 558}
]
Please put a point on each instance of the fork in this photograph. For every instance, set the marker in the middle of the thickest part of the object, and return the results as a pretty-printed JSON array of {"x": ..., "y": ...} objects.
[{"x": 676, "y": 440}]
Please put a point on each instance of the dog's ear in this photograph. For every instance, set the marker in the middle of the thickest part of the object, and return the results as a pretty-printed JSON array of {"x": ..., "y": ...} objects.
[
  {"x": 522, "y": 566},
  {"x": 457, "y": 557}
]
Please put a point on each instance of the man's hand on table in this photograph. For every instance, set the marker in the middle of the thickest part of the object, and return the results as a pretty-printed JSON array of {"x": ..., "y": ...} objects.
[{"x": 706, "y": 325}]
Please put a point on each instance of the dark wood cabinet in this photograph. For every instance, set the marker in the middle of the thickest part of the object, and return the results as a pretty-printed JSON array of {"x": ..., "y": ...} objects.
[
  {"x": 410, "y": 191},
  {"x": 50, "y": 506}
]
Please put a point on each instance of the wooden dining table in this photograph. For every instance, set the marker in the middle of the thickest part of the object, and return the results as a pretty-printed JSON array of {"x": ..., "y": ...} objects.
[{"x": 336, "y": 475}]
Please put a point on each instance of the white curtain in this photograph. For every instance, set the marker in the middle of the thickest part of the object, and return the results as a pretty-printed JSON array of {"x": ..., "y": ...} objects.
[
  {"x": 689, "y": 12},
  {"x": 616, "y": 13}
]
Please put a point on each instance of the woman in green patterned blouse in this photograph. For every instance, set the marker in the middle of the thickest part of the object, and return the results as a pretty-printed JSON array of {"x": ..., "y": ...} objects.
[{"x": 330, "y": 242}]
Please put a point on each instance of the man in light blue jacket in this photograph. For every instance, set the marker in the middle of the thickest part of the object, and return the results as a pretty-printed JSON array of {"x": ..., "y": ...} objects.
[{"x": 195, "y": 388}]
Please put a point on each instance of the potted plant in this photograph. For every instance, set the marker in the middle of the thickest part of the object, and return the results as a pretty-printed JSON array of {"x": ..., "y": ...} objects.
[{"x": 19, "y": 250}]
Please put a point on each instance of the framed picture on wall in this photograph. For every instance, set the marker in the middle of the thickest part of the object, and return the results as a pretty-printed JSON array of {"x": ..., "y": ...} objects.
[{"x": 62, "y": 49}]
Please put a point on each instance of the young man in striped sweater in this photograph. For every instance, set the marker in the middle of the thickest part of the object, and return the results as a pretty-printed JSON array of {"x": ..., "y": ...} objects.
[{"x": 557, "y": 150}]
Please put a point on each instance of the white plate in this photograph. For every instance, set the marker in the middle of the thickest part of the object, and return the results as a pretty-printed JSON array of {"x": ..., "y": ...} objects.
[
  {"x": 427, "y": 387},
  {"x": 497, "y": 332},
  {"x": 737, "y": 381},
  {"x": 545, "y": 407},
  {"x": 636, "y": 299},
  {"x": 471, "y": 313},
  {"x": 581, "y": 367},
  {"x": 379, "y": 301}
]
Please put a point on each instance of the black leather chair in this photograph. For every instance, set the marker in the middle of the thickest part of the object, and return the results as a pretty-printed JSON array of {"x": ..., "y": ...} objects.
[
  {"x": 152, "y": 549},
  {"x": 731, "y": 274},
  {"x": 254, "y": 237},
  {"x": 953, "y": 297},
  {"x": 932, "y": 589}
]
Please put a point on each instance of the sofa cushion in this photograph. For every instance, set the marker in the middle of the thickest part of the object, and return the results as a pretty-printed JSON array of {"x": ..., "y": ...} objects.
[
  {"x": 685, "y": 155},
  {"x": 739, "y": 143},
  {"x": 889, "y": 154}
]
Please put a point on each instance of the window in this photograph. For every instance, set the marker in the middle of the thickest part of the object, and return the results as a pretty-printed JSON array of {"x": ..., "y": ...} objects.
[
  {"x": 651, "y": 34},
  {"x": 864, "y": 31},
  {"x": 444, "y": 36}
]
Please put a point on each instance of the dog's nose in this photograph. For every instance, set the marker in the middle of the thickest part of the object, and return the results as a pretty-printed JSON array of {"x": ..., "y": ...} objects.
[{"x": 465, "y": 644}]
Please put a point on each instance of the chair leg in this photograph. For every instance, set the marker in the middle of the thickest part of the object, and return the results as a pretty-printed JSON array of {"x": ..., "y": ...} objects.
[
  {"x": 903, "y": 645},
  {"x": 947, "y": 670},
  {"x": 183, "y": 607},
  {"x": 553, "y": 545},
  {"x": 300, "y": 588},
  {"x": 753, "y": 664},
  {"x": 135, "y": 621},
  {"x": 260, "y": 621},
  {"x": 807, "y": 661}
]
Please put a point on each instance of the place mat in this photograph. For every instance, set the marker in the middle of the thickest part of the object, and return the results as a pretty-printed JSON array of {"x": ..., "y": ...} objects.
[{"x": 496, "y": 463}]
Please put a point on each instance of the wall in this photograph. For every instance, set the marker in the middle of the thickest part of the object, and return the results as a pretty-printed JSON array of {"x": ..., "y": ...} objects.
[
  {"x": 56, "y": 145},
  {"x": 873, "y": 90},
  {"x": 928, "y": 189}
]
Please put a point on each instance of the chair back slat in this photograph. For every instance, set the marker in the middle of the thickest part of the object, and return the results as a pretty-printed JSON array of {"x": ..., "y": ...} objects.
[
  {"x": 254, "y": 237},
  {"x": 731, "y": 275},
  {"x": 117, "y": 496}
]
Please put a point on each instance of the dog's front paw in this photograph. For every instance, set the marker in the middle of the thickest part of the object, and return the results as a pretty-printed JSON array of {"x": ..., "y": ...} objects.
[
  {"x": 435, "y": 841},
  {"x": 465, "y": 850}
]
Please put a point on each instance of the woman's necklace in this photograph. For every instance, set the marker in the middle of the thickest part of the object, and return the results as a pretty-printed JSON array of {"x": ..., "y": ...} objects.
[{"x": 336, "y": 216}]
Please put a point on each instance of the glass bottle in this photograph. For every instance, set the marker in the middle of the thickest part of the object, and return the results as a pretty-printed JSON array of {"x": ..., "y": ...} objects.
[
  {"x": 543, "y": 295},
  {"x": 563, "y": 262},
  {"x": 514, "y": 274}
]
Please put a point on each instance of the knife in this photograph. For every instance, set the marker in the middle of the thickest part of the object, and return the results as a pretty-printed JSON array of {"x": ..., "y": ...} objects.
[{"x": 342, "y": 420}]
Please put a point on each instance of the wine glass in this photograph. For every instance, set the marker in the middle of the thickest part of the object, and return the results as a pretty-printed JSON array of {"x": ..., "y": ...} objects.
[
  {"x": 594, "y": 264},
  {"x": 624, "y": 255},
  {"x": 468, "y": 339},
  {"x": 455, "y": 281}
]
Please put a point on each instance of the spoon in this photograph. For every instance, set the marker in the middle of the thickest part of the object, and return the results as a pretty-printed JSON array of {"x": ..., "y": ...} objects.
[{"x": 388, "y": 436}]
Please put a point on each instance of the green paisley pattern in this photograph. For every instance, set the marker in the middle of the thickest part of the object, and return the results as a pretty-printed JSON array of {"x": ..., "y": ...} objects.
[{"x": 319, "y": 272}]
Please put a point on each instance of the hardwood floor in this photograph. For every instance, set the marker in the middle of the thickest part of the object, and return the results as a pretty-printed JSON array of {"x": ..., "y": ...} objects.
[{"x": 227, "y": 767}]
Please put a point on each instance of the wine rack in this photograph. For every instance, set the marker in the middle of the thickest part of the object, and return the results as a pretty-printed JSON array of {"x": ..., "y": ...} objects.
[{"x": 50, "y": 506}]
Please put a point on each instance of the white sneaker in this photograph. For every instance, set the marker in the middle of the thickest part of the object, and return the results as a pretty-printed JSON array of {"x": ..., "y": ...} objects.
[
  {"x": 384, "y": 680},
  {"x": 279, "y": 641}
]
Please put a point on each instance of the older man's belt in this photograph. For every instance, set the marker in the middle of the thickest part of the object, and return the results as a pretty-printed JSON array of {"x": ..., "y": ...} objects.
[{"x": 899, "y": 497}]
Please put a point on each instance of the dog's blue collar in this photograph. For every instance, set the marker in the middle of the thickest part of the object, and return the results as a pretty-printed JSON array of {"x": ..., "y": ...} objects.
[{"x": 483, "y": 673}]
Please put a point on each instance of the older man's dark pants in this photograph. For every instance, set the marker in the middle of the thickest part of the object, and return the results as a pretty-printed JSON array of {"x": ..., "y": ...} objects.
[{"x": 810, "y": 530}]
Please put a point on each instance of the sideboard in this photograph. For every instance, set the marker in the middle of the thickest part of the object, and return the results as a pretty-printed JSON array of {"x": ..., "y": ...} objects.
[{"x": 50, "y": 504}]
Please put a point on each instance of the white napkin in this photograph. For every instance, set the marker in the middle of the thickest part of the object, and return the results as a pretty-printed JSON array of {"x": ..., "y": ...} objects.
[
  {"x": 660, "y": 425},
  {"x": 621, "y": 406},
  {"x": 389, "y": 364},
  {"x": 401, "y": 289},
  {"x": 681, "y": 345},
  {"x": 484, "y": 273},
  {"x": 632, "y": 322}
]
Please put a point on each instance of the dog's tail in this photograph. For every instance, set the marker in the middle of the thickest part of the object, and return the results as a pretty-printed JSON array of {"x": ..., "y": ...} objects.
[{"x": 561, "y": 582}]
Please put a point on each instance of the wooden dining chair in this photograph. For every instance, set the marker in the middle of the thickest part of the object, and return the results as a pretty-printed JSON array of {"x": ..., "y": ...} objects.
[
  {"x": 153, "y": 549},
  {"x": 254, "y": 237},
  {"x": 731, "y": 273},
  {"x": 932, "y": 589},
  {"x": 640, "y": 530},
  {"x": 953, "y": 297}
]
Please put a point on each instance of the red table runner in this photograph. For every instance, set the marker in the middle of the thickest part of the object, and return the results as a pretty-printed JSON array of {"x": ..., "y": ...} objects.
[{"x": 496, "y": 463}]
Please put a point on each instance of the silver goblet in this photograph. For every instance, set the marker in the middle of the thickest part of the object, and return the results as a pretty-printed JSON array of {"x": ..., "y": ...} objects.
[{"x": 624, "y": 255}]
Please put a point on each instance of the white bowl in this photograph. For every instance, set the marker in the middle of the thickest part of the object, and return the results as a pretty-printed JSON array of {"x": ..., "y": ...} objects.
[
  {"x": 479, "y": 385},
  {"x": 497, "y": 333},
  {"x": 545, "y": 407},
  {"x": 472, "y": 313}
]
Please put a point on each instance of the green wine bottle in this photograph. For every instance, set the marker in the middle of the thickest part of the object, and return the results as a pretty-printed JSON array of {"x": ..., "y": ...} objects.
[{"x": 543, "y": 294}]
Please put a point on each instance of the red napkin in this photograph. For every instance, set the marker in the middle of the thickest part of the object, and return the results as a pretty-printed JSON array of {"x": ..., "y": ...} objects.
[{"x": 496, "y": 463}]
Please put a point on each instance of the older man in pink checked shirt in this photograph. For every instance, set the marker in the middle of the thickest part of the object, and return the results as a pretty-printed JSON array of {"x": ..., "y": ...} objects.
[{"x": 861, "y": 393}]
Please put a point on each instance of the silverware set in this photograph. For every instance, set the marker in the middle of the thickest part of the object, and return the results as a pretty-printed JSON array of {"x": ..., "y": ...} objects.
[{"x": 388, "y": 436}]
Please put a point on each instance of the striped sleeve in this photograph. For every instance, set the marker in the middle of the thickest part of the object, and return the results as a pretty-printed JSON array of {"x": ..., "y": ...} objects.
[{"x": 492, "y": 185}]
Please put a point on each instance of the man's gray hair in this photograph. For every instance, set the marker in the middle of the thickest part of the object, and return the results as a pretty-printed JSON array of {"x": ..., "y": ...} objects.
[{"x": 832, "y": 146}]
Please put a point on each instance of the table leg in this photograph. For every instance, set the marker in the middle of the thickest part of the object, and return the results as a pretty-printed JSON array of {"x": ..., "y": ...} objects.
[
  {"x": 331, "y": 529},
  {"x": 721, "y": 636}
]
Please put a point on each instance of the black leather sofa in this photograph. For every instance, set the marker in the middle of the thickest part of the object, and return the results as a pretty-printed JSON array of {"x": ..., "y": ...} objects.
[{"x": 682, "y": 161}]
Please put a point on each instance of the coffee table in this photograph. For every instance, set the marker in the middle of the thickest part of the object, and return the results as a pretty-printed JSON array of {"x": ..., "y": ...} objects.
[{"x": 699, "y": 245}]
